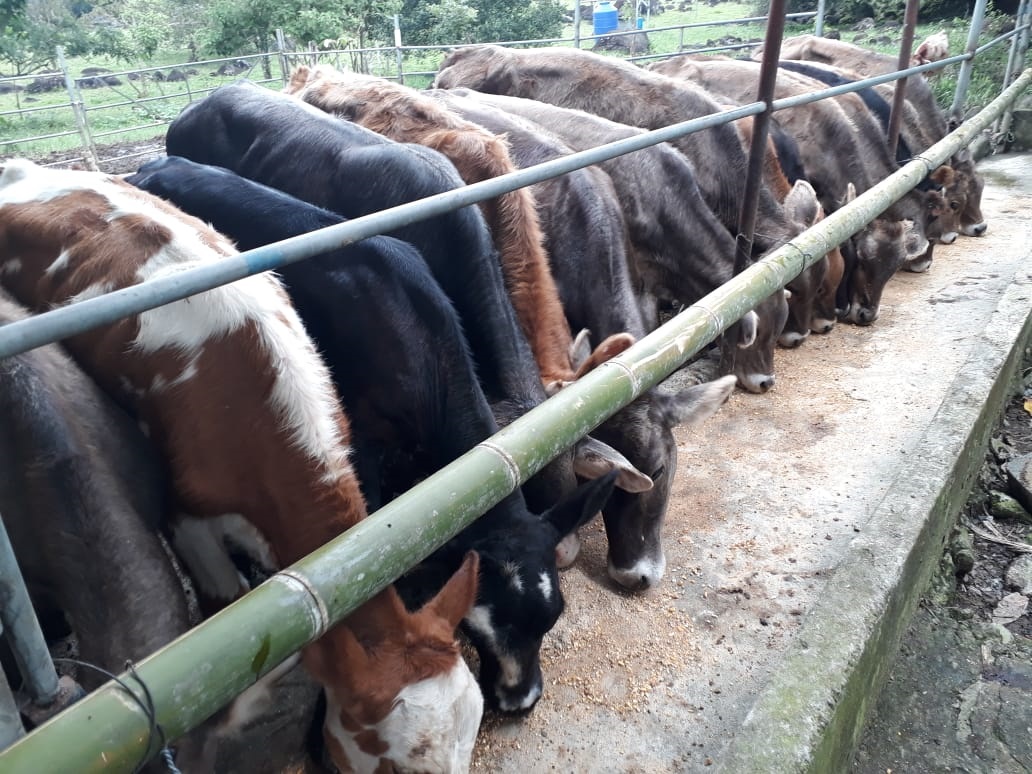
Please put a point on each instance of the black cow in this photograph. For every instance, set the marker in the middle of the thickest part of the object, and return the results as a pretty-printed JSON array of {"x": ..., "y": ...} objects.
[
  {"x": 585, "y": 236},
  {"x": 402, "y": 369}
]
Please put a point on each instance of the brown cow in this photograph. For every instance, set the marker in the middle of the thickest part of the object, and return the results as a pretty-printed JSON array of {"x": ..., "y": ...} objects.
[
  {"x": 811, "y": 307},
  {"x": 242, "y": 407},
  {"x": 924, "y": 122},
  {"x": 840, "y": 145},
  {"x": 405, "y": 115},
  {"x": 679, "y": 249},
  {"x": 621, "y": 92}
]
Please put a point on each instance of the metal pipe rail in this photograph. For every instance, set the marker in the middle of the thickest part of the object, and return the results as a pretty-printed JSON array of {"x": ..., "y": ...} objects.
[
  {"x": 205, "y": 668},
  {"x": 86, "y": 315}
]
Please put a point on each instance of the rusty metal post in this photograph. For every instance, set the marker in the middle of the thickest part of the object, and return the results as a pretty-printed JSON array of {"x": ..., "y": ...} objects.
[
  {"x": 761, "y": 122},
  {"x": 754, "y": 175},
  {"x": 906, "y": 48}
]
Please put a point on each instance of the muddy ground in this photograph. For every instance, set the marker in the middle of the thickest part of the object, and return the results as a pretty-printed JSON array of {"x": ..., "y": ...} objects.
[{"x": 960, "y": 696}]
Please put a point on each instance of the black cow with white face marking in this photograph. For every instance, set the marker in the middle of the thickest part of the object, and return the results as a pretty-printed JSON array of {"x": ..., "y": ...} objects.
[
  {"x": 586, "y": 237},
  {"x": 402, "y": 369}
]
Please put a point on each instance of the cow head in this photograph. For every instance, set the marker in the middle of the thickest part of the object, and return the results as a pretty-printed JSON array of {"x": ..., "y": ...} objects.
[
  {"x": 877, "y": 252},
  {"x": 752, "y": 352},
  {"x": 802, "y": 207},
  {"x": 520, "y": 599},
  {"x": 943, "y": 216},
  {"x": 487, "y": 69},
  {"x": 935, "y": 206},
  {"x": 634, "y": 521},
  {"x": 379, "y": 713},
  {"x": 824, "y": 309},
  {"x": 964, "y": 195}
]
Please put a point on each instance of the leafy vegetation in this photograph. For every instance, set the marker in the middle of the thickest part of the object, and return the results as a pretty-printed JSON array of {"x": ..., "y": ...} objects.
[{"x": 136, "y": 103}]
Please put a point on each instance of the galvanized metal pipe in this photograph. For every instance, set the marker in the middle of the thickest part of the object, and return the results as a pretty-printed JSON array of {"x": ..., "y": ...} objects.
[
  {"x": 1019, "y": 44},
  {"x": 818, "y": 28},
  {"x": 758, "y": 145},
  {"x": 22, "y": 628},
  {"x": 906, "y": 46},
  {"x": 964, "y": 77},
  {"x": 86, "y": 315},
  {"x": 11, "y": 727},
  {"x": 202, "y": 670}
]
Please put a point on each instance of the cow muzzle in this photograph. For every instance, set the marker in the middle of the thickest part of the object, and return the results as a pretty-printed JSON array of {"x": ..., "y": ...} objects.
[{"x": 977, "y": 229}]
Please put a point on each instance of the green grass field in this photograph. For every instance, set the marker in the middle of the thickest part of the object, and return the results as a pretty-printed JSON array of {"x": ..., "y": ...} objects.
[{"x": 138, "y": 110}]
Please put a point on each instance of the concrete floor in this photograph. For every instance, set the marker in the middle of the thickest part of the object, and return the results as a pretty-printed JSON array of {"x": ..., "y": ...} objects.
[{"x": 768, "y": 497}]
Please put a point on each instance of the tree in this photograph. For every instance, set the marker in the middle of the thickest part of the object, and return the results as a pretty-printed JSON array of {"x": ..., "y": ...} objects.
[
  {"x": 31, "y": 32},
  {"x": 249, "y": 26},
  {"x": 448, "y": 21}
]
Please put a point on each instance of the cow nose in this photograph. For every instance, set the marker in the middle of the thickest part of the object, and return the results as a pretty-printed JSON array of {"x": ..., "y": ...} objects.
[
  {"x": 822, "y": 326},
  {"x": 866, "y": 315},
  {"x": 948, "y": 239},
  {"x": 791, "y": 339},
  {"x": 979, "y": 229}
]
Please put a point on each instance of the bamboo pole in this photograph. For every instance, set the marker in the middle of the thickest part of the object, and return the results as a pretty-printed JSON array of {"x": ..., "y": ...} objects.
[{"x": 202, "y": 670}]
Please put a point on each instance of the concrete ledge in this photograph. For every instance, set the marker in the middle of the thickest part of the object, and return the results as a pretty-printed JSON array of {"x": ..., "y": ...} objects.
[{"x": 810, "y": 715}]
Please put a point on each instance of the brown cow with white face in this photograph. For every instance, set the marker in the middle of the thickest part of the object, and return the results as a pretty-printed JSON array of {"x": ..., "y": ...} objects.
[{"x": 234, "y": 395}]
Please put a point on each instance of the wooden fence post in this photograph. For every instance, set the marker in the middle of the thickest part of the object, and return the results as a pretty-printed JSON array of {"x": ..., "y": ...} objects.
[{"x": 79, "y": 110}]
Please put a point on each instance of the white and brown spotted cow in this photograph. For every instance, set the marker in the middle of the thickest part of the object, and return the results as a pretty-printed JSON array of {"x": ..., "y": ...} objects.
[{"x": 232, "y": 391}]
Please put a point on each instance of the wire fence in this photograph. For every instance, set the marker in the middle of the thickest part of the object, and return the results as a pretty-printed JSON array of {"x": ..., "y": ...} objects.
[{"x": 103, "y": 119}]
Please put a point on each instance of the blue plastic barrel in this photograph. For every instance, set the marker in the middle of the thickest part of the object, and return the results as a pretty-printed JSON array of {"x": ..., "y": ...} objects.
[{"x": 605, "y": 18}]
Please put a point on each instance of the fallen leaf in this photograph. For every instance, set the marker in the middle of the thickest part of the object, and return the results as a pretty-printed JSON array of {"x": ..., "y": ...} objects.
[{"x": 1028, "y": 405}]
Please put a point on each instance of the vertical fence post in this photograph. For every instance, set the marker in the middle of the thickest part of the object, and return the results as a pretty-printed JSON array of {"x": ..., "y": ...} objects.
[
  {"x": 902, "y": 63},
  {"x": 398, "y": 55},
  {"x": 576, "y": 23},
  {"x": 818, "y": 26},
  {"x": 11, "y": 727},
  {"x": 1015, "y": 58},
  {"x": 22, "y": 628},
  {"x": 281, "y": 50},
  {"x": 964, "y": 78},
  {"x": 79, "y": 110}
]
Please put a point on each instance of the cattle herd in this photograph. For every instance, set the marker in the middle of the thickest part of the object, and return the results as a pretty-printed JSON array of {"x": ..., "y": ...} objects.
[{"x": 240, "y": 429}]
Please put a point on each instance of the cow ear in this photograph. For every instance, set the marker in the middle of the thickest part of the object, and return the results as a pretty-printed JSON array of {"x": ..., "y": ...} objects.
[
  {"x": 747, "y": 328},
  {"x": 580, "y": 348},
  {"x": 850, "y": 193},
  {"x": 801, "y": 204},
  {"x": 499, "y": 79},
  {"x": 593, "y": 459},
  {"x": 943, "y": 176},
  {"x": 298, "y": 79},
  {"x": 609, "y": 348},
  {"x": 456, "y": 599},
  {"x": 693, "y": 405},
  {"x": 581, "y": 506}
]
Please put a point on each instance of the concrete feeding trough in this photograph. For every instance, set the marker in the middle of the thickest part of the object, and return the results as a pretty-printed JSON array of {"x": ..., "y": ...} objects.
[{"x": 802, "y": 528}]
